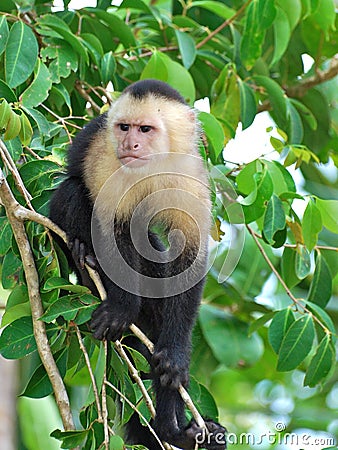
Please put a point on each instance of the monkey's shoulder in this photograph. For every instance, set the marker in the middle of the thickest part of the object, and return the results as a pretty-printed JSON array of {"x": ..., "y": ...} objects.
[{"x": 83, "y": 142}]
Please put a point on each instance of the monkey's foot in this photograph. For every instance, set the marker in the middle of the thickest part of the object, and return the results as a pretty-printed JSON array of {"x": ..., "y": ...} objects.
[
  {"x": 171, "y": 367},
  {"x": 211, "y": 439},
  {"x": 109, "y": 322}
]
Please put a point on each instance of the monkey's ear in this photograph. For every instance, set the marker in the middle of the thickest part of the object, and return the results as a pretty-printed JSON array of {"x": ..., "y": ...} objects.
[{"x": 191, "y": 115}]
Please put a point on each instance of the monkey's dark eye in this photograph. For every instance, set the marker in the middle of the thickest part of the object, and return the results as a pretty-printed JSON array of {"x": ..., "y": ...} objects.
[
  {"x": 145, "y": 128},
  {"x": 124, "y": 127}
]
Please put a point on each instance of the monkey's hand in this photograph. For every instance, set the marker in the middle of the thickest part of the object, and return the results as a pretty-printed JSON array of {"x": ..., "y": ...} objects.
[
  {"x": 171, "y": 366},
  {"x": 109, "y": 321},
  {"x": 81, "y": 254}
]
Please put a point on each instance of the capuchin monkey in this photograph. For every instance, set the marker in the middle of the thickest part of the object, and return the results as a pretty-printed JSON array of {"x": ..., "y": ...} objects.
[{"x": 136, "y": 205}]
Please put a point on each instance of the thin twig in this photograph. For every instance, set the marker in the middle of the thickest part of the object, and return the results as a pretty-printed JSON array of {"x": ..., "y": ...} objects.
[
  {"x": 8, "y": 161},
  {"x": 91, "y": 374},
  {"x": 134, "y": 373},
  {"x": 296, "y": 301},
  {"x": 223, "y": 25},
  {"x": 133, "y": 407},
  {"x": 104, "y": 399},
  {"x": 86, "y": 96},
  {"x": 319, "y": 77},
  {"x": 184, "y": 394}
]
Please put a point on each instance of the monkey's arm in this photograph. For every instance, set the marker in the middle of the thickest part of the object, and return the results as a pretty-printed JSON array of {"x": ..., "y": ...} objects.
[
  {"x": 121, "y": 308},
  {"x": 71, "y": 209}
]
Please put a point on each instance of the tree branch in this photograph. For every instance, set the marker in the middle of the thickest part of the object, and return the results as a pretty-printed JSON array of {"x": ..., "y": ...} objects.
[
  {"x": 32, "y": 279},
  {"x": 223, "y": 25},
  {"x": 320, "y": 77},
  {"x": 86, "y": 96}
]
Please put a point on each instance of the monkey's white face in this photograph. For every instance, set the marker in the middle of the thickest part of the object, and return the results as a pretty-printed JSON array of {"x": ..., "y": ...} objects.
[
  {"x": 137, "y": 131},
  {"x": 139, "y": 140}
]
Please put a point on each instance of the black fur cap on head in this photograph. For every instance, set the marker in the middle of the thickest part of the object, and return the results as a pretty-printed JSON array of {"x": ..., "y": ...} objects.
[{"x": 142, "y": 88}]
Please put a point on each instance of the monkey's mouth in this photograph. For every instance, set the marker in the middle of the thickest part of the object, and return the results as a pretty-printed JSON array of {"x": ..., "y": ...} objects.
[{"x": 133, "y": 160}]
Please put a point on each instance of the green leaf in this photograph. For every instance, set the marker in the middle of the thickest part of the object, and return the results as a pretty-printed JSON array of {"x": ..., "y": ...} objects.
[
  {"x": 254, "y": 207},
  {"x": 161, "y": 67},
  {"x": 116, "y": 442},
  {"x": 245, "y": 179},
  {"x": 6, "y": 234},
  {"x": 296, "y": 344},
  {"x": 69, "y": 307},
  {"x": 59, "y": 283},
  {"x": 4, "y": 32},
  {"x": 324, "y": 318},
  {"x": 13, "y": 126},
  {"x": 59, "y": 90},
  {"x": 302, "y": 262},
  {"x": 248, "y": 104},
  {"x": 94, "y": 46},
  {"x": 260, "y": 15},
  {"x": 155, "y": 68},
  {"x": 53, "y": 22},
  {"x": 38, "y": 90},
  {"x": 213, "y": 131},
  {"x": 136, "y": 4},
  {"x": 228, "y": 338},
  {"x": 39, "y": 385},
  {"x": 274, "y": 218},
  {"x": 225, "y": 100},
  {"x": 26, "y": 131},
  {"x": 281, "y": 178},
  {"x": 218, "y": 8},
  {"x": 121, "y": 29},
  {"x": 293, "y": 10},
  {"x": 321, "y": 286},
  {"x": 17, "y": 339},
  {"x": 11, "y": 268},
  {"x": 276, "y": 97},
  {"x": 282, "y": 34},
  {"x": 186, "y": 45},
  {"x": 306, "y": 113},
  {"x": 321, "y": 363},
  {"x": 324, "y": 16},
  {"x": 38, "y": 175},
  {"x": 40, "y": 120},
  {"x": 63, "y": 59},
  {"x": 7, "y": 93},
  {"x": 279, "y": 326},
  {"x": 108, "y": 67},
  {"x": 21, "y": 54},
  {"x": 311, "y": 225},
  {"x": 329, "y": 213},
  {"x": 70, "y": 439},
  {"x": 295, "y": 129},
  {"x": 258, "y": 323},
  {"x": 5, "y": 114},
  {"x": 203, "y": 399},
  {"x": 330, "y": 256}
]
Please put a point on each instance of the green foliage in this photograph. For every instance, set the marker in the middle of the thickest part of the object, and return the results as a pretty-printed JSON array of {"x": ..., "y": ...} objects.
[{"x": 270, "y": 312}]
